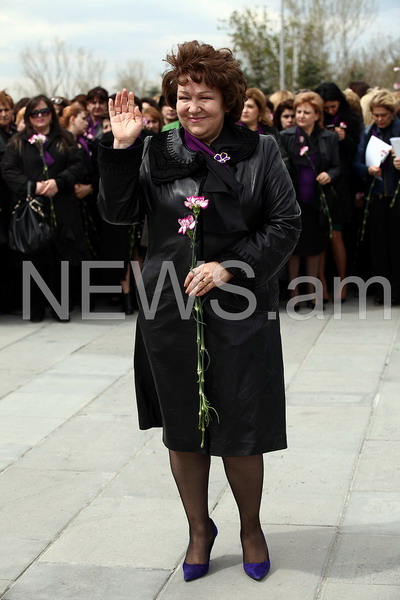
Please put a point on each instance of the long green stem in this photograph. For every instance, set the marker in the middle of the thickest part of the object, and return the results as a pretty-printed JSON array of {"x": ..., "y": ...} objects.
[
  {"x": 204, "y": 405},
  {"x": 366, "y": 210}
]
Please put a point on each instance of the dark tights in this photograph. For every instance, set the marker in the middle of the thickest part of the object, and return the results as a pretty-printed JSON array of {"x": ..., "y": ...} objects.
[{"x": 245, "y": 475}]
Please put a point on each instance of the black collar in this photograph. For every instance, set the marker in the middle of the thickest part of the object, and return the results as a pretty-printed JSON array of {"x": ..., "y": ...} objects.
[{"x": 170, "y": 159}]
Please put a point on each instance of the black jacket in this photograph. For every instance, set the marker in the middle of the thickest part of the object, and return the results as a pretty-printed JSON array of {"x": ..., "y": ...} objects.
[{"x": 252, "y": 217}]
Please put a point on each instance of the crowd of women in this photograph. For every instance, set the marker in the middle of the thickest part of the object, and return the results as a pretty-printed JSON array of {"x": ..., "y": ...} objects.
[{"x": 322, "y": 135}]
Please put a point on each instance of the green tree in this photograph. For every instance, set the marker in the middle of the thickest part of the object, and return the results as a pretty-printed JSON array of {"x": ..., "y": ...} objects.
[{"x": 256, "y": 46}]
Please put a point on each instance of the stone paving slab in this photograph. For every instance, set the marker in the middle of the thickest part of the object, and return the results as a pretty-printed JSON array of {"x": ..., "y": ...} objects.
[
  {"x": 373, "y": 513},
  {"x": 77, "y": 582},
  {"x": 37, "y": 504},
  {"x": 330, "y": 399},
  {"x": 379, "y": 468},
  {"x": 12, "y": 379},
  {"x": 53, "y": 382},
  {"x": 308, "y": 430},
  {"x": 118, "y": 399},
  {"x": 5, "y": 584},
  {"x": 40, "y": 405},
  {"x": 10, "y": 453},
  {"x": 83, "y": 364},
  {"x": 367, "y": 559},
  {"x": 146, "y": 533},
  {"x": 343, "y": 591},
  {"x": 113, "y": 441},
  {"x": 27, "y": 430},
  {"x": 16, "y": 554},
  {"x": 386, "y": 419}
]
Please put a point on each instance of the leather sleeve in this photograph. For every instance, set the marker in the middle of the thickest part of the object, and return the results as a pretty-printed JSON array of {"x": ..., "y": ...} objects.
[{"x": 119, "y": 194}]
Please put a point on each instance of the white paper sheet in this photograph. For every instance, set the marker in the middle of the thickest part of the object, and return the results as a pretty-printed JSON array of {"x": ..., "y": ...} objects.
[
  {"x": 396, "y": 145},
  {"x": 376, "y": 152}
]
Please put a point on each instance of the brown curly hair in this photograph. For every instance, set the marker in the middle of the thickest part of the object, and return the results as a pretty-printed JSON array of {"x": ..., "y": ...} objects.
[{"x": 202, "y": 62}]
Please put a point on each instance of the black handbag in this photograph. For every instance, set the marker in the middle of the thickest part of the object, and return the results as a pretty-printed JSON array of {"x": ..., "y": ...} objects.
[{"x": 30, "y": 228}]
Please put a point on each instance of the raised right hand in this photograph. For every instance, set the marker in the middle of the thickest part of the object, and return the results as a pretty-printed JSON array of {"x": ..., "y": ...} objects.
[{"x": 126, "y": 119}]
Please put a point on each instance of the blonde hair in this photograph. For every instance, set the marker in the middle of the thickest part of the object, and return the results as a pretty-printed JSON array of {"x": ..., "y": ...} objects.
[
  {"x": 316, "y": 102},
  {"x": 354, "y": 101},
  {"x": 385, "y": 99},
  {"x": 280, "y": 96},
  {"x": 365, "y": 107}
]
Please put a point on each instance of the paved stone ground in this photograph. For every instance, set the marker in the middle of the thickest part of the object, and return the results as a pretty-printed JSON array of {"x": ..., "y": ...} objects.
[{"x": 88, "y": 508}]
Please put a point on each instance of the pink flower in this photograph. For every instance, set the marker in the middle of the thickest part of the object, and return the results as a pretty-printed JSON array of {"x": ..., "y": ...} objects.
[
  {"x": 359, "y": 195},
  {"x": 196, "y": 201},
  {"x": 303, "y": 150},
  {"x": 396, "y": 86},
  {"x": 37, "y": 138},
  {"x": 343, "y": 125},
  {"x": 396, "y": 68},
  {"x": 186, "y": 223}
]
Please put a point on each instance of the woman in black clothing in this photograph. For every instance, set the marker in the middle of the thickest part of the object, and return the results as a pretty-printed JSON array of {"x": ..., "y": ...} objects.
[
  {"x": 313, "y": 155},
  {"x": 339, "y": 118},
  {"x": 249, "y": 214},
  {"x": 7, "y": 275},
  {"x": 53, "y": 178},
  {"x": 383, "y": 182}
]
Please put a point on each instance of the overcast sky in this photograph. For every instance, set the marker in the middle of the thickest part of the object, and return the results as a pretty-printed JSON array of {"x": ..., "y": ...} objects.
[{"x": 121, "y": 30}]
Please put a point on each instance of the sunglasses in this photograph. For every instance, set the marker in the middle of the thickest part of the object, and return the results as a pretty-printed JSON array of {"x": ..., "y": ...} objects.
[{"x": 41, "y": 111}]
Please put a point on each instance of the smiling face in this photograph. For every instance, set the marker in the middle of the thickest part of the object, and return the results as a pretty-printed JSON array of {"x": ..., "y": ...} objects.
[
  {"x": 306, "y": 117},
  {"x": 40, "y": 118},
  {"x": 200, "y": 110},
  {"x": 250, "y": 114}
]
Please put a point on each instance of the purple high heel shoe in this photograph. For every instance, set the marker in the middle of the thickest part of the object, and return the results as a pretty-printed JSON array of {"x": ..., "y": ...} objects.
[
  {"x": 257, "y": 570},
  {"x": 191, "y": 572}
]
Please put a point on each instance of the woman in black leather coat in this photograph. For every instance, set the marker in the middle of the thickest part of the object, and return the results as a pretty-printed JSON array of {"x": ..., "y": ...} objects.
[
  {"x": 54, "y": 182},
  {"x": 252, "y": 217}
]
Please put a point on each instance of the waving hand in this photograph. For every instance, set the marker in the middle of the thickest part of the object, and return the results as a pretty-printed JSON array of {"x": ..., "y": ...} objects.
[{"x": 126, "y": 119}]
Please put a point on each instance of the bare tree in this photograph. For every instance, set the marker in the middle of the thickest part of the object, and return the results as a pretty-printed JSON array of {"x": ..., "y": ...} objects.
[
  {"x": 56, "y": 71},
  {"x": 133, "y": 77}
]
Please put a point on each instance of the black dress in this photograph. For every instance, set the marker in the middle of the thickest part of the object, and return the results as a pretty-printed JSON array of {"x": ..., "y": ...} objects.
[{"x": 252, "y": 217}]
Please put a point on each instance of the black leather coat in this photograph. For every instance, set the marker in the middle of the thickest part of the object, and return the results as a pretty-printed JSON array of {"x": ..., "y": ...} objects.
[{"x": 253, "y": 217}]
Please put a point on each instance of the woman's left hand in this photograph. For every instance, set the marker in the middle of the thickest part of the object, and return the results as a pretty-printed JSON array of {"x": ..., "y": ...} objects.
[
  {"x": 203, "y": 278},
  {"x": 50, "y": 188},
  {"x": 323, "y": 178},
  {"x": 341, "y": 133}
]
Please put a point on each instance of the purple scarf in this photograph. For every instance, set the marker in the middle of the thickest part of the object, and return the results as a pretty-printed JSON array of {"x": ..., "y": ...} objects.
[{"x": 192, "y": 143}]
